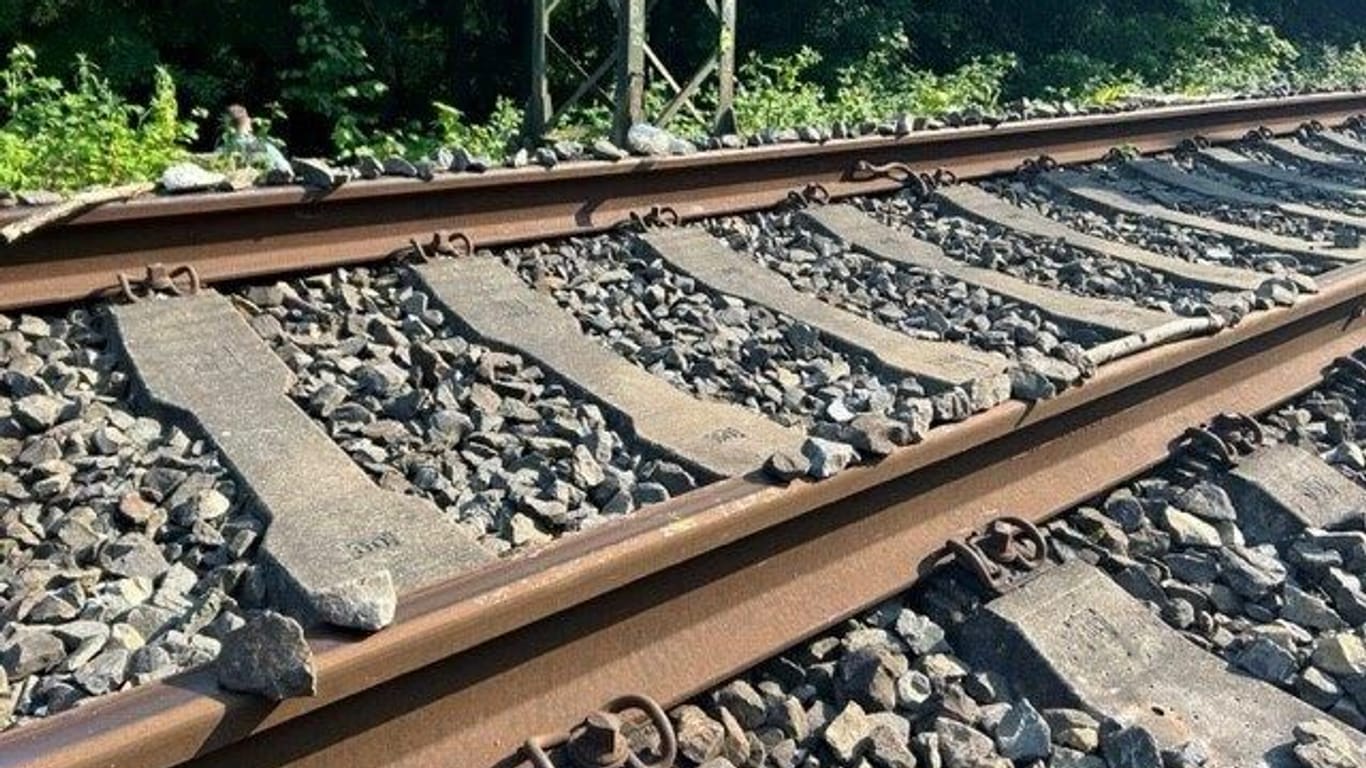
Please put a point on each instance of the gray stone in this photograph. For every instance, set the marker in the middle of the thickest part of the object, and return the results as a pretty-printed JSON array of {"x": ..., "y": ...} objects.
[
  {"x": 1267, "y": 661},
  {"x": 828, "y": 458},
  {"x": 1188, "y": 530},
  {"x": 1023, "y": 734},
  {"x": 1132, "y": 747},
  {"x": 869, "y": 676},
  {"x": 1250, "y": 572},
  {"x": 104, "y": 673},
  {"x": 886, "y": 748},
  {"x": 1308, "y": 610},
  {"x": 1207, "y": 501},
  {"x": 602, "y": 149},
  {"x": 370, "y": 168},
  {"x": 735, "y": 745},
  {"x": 1340, "y": 654},
  {"x": 135, "y": 556},
  {"x": 921, "y": 634},
  {"x": 847, "y": 735},
  {"x": 745, "y": 703},
  {"x": 38, "y": 412},
  {"x": 398, "y": 166},
  {"x": 1344, "y": 589},
  {"x": 188, "y": 177},
  {"x": 28, "y": 651},
  {"x": 1321, "y": 744},
  {"x": 787, "y": 466},
  {"x": 646, "y": 139},
  {"x": 1318, "y": 689},
  {"x": 961, "y": 746},
  {"x": 366, "y": 603},
  {"x": 317, "y": 174},
  {"x": 926, "y": 749},
  {"x": 267, "y": 656},
  {"x": 1073, "y": 728},
  {"x": 700, "y": 738},
  {"x": 788, "y": 716},
  {"x": 1065, "y": 757}
]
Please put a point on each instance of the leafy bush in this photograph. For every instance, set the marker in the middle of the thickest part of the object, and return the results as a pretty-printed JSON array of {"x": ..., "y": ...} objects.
[
  {"x": 65, "y": 137},
  {"x": 884, "y": 83},
  {"x": 774, "y": 92},
  {"x": 337, "y": 82},
  {"x": 493, "y": 138},
  {"x": 1236, "y": 54},
  {"x": 1331, "y": 67}
]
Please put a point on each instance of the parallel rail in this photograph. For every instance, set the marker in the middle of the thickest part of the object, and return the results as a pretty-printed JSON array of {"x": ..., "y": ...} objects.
[
  {"x": 278, "y": 230},
  {"x": 653, "y": 603}
]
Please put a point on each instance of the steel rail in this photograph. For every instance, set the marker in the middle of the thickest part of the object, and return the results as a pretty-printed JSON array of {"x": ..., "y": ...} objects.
[
  {"x": 278, "y": 230},
  {"x": 682, "y": 596}
]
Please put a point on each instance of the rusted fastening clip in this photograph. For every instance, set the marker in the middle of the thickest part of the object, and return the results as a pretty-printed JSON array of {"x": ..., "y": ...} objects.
[
  {"x": 658, "y": 217},
  {"x": 159, "y": 279},
  {"x": 1120, "y": 154},
  {"x": 599, "y": 741},
  {"x": 445, "y": 243},
  {"x": 1006, "y": 553},
  {"x": 1346, "y": 377},
  {"x": 811, "y": 194},
  {"x": 919, "y": 184},
  {"x": 1217, "y": 445},
  {"x": 1192, "y": 145},
  {"x": 1031, "y": 166}
]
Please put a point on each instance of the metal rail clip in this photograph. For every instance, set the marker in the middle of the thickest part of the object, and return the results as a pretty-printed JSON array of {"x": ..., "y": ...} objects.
[
  {"x": 1006, "y": 553},
  {"x": 658, "y": 217},
  {"x": 160, "y": 279},
  {"x": 599, "y": 741},
  {"x": 811, "y": 194},
  {"x": 446, "y": 243},
  {"x": 1346, "y": 378},
  {"x": 1312, "y": 127},
  {"x": 922, "y": 184},
  {"x": 1217, "y": 445},
  {"x": 1192, "y": 145},
  {"x": 1036, "y": 165}
]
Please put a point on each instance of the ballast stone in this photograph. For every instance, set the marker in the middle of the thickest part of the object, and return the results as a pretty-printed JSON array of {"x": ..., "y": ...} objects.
[
  {"x": 188, "y": 177},
  {"x": 268, "y": 656}
]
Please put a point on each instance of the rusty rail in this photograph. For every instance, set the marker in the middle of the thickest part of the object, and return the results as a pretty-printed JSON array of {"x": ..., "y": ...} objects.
[
  {"x": 276, "y": 230},
  {"x": 664, "y": 603},
  {"x": 654, "y": 604}
]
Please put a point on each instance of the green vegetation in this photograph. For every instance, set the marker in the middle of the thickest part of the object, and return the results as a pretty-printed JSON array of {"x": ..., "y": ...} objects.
[
  {"x": 67, "y": 135},
  {"x": 348, "y": 77}
]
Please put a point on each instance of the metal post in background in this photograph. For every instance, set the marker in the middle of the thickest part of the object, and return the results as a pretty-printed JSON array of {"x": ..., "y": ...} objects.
[
  {"x": 630, "y": 93},
  {"x": 630, "y": 61}
]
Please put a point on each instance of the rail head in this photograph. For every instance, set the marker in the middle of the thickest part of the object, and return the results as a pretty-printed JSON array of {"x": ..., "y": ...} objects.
[{"x": 278, "y": 230}]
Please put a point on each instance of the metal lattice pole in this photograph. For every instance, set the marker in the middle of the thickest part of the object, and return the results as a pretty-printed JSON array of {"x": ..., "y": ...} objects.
[{"x": 630, "y": 57}]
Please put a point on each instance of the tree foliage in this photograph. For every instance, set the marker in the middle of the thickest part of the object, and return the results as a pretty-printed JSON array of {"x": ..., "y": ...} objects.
[{"x": 342, "y": 69}]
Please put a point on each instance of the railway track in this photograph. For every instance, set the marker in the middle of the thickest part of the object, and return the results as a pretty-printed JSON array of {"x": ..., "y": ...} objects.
[{"x": 646, "y": 460}]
